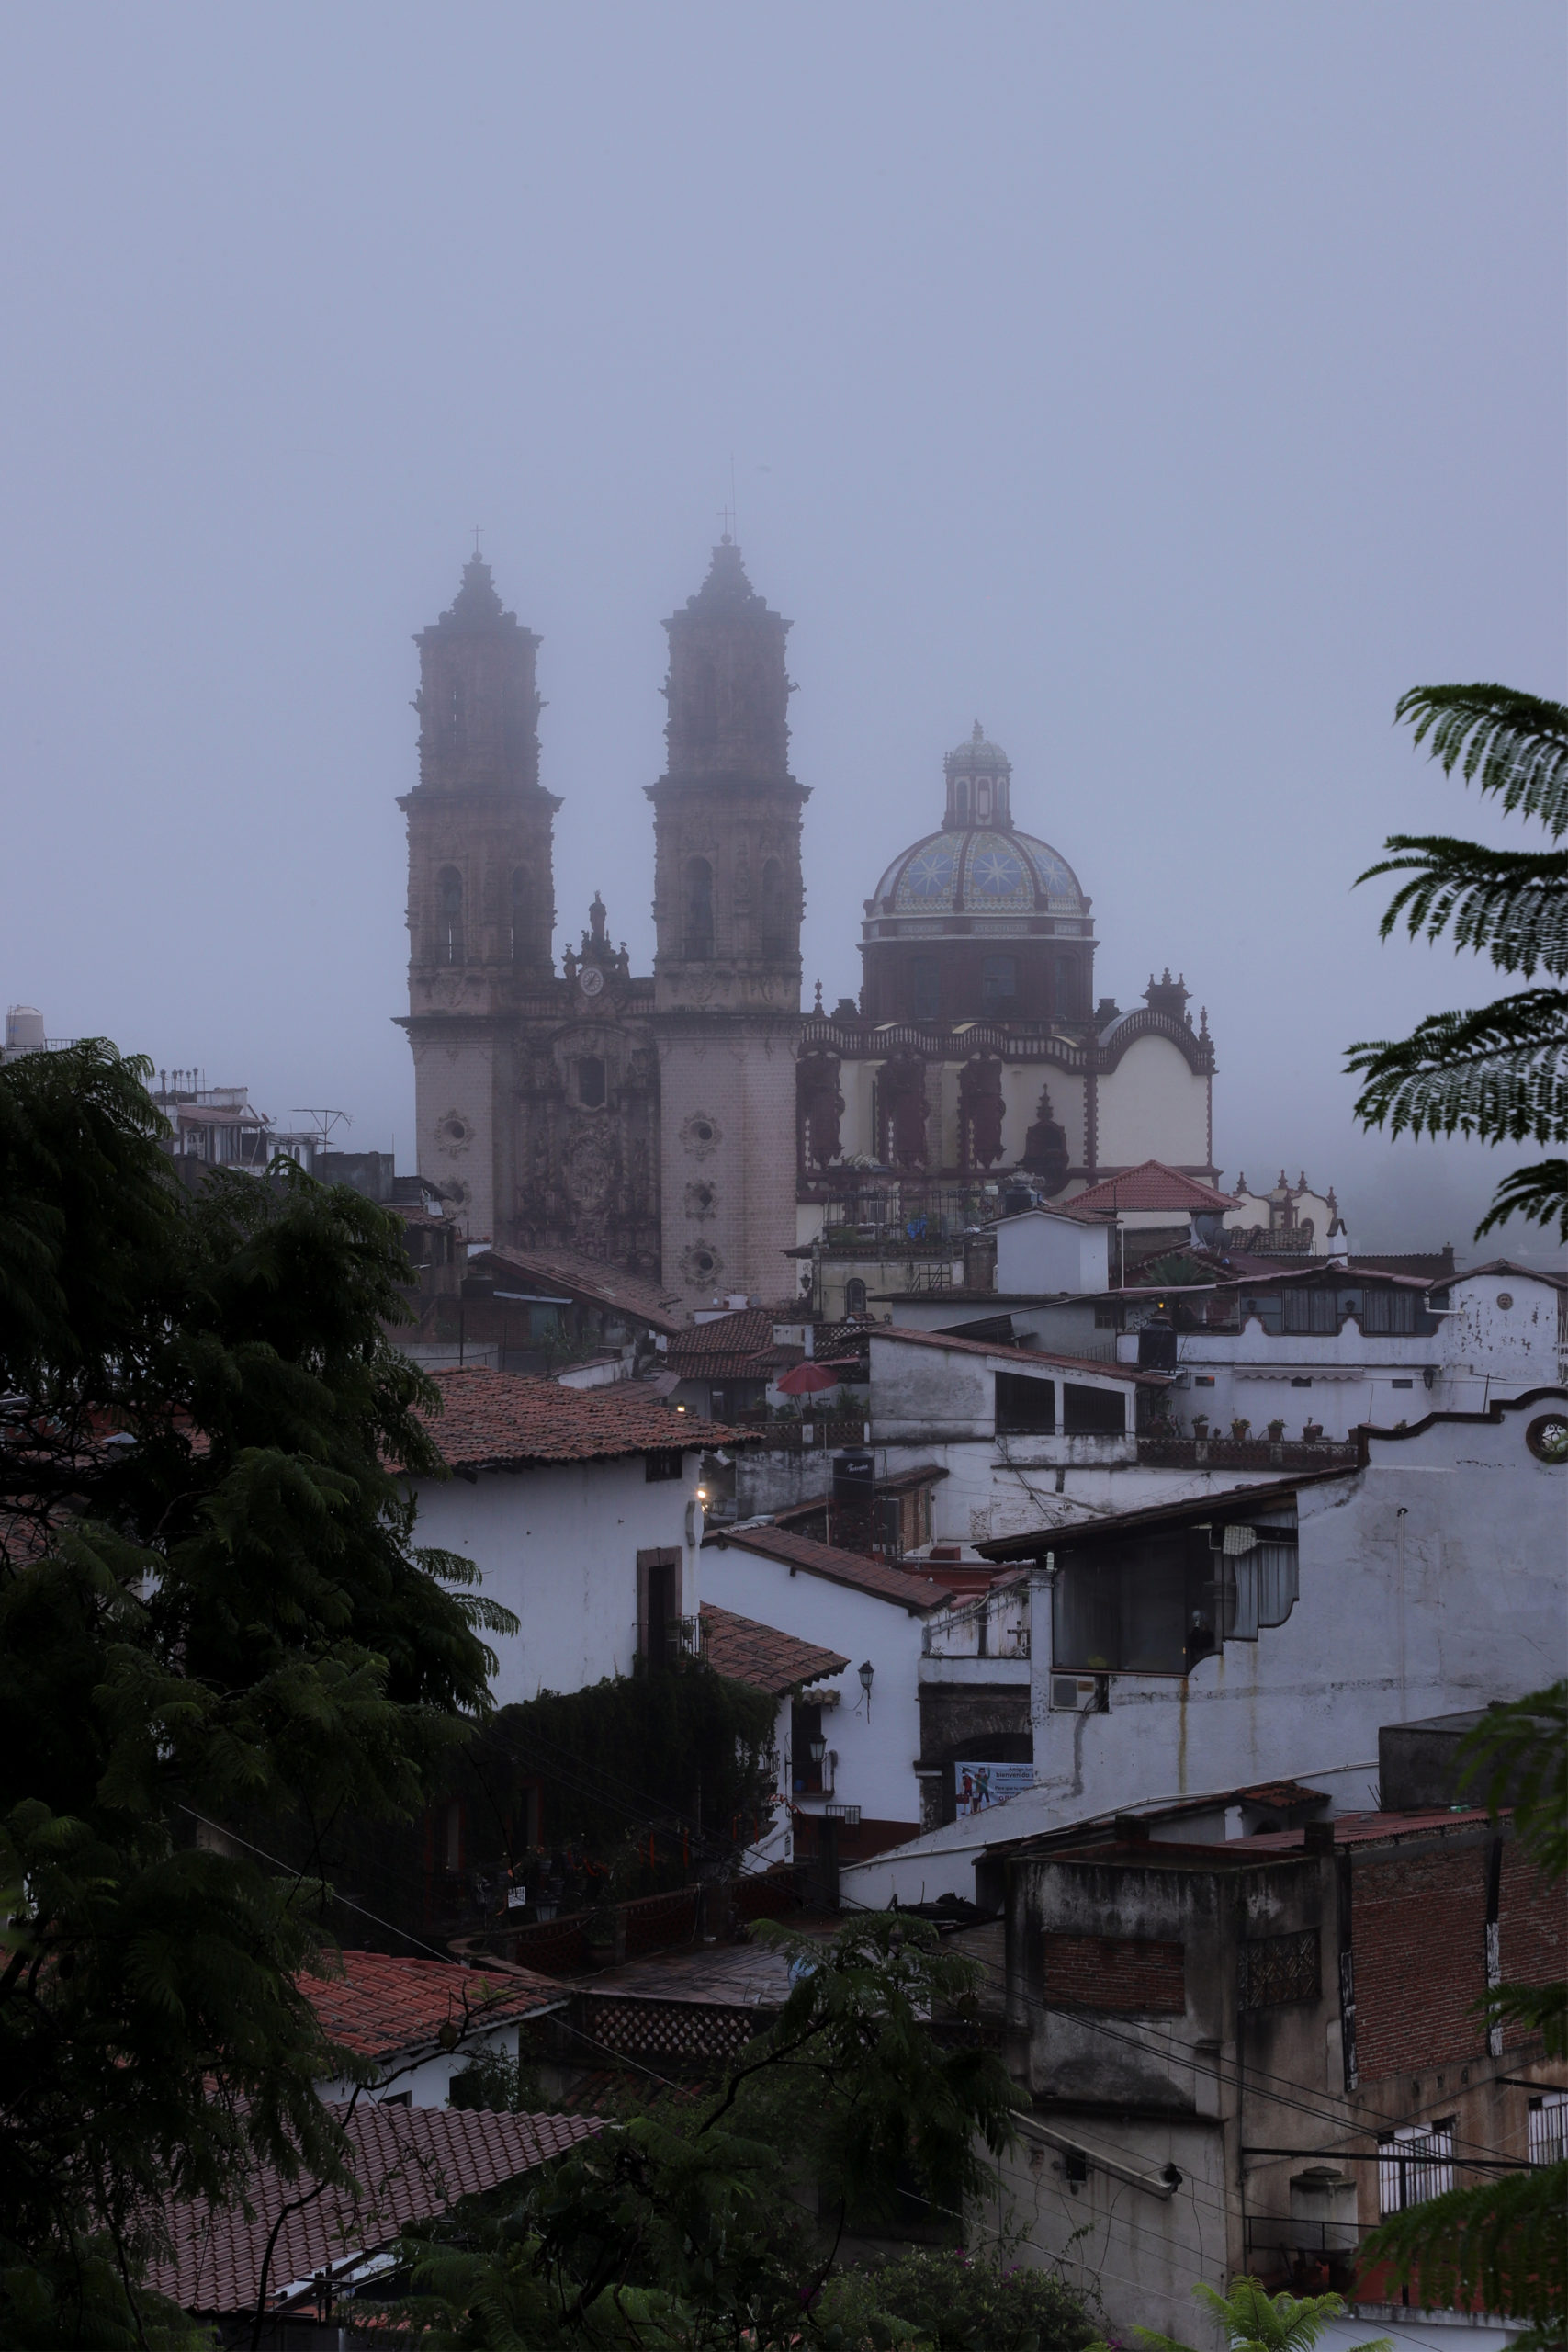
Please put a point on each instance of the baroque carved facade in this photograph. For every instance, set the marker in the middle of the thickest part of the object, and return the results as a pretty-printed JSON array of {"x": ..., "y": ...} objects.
[{"x": 692, "y": 1124}]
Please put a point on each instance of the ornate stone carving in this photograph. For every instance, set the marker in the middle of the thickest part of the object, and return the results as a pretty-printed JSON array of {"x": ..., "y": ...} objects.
[{"x": 701, "y": 1134}]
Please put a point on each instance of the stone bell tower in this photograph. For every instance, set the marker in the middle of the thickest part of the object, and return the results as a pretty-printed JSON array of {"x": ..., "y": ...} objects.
[
  {"x": 727, "y": 905},
  {"x": 481, "y": 891}
]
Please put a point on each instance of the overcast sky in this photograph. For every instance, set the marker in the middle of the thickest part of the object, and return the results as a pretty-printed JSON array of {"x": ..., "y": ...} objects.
[{"x": 1167, "y": 385}]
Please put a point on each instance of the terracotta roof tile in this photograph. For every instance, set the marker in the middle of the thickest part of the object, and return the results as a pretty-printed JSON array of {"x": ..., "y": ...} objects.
[
  {"x": 744, "y": 1333},
  {"x": 744, "y": 1651},
  {"x": 603, "y": 1285},
  {"x": 495, "y": 1421},
  {"x": 409, "y": 2162},
  {"x": 382, "y": 2005},
  {"x": 878, "y": 1578},
  {"x": 1152, "y": 1185}
]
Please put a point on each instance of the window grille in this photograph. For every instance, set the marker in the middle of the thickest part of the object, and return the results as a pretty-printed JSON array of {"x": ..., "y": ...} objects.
[
  {"x": 1548, "y": 2128},
  {"x": 1415, "y": 2164},
  {"x": 1277, "y": 1969}
]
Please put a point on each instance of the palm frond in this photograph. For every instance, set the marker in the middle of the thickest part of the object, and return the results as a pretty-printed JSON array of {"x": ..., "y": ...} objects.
[
  {"x": 1513, "y": 744},
  {"x": 1500, "y": 1072},
  {"x": 1502, "y": 2248},
  {"x": 1504, "y": 903},
  {"x": 1539, "y": 1195}
]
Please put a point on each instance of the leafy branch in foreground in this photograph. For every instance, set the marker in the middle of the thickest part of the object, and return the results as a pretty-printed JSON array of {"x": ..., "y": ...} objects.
[
  {"x": 210, "y": 1599},
  {"x": 1255, "y": 2320},
  {"x": 1500, "y": 1071},
  {"x": 706, "y": 2218}
]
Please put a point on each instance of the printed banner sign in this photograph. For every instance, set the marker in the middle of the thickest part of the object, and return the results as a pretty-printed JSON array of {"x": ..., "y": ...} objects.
[{"x": 979, "y": 1786}]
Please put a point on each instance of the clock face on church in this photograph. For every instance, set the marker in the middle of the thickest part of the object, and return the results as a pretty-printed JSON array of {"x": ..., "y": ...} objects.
[{"x": 591, "y": 979}]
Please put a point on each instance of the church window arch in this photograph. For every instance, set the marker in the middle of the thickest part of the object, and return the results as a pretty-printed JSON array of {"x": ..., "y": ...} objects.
[
  {"x": 1068, "y": 997},
  {"x": 591, "y": 1083},
  {"x": 450, "y": 916},
  {"x": 519, "y": 914},
  {"x": 854, "y": 1295},
  {"x": 926, "y": 990},
  {"x": 455, "y": 716},
  {"x": 998, "y": 984},
  {"x": 961, "y": 799},
  {"x": 699, "y": 911},
  {"x": 703, "y": 705},
  {"x": 983, "y": 798},
  {"x": 775, "y": 914}
]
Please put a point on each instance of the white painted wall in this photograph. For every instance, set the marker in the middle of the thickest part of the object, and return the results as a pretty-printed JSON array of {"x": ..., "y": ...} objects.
[
  {"x": 1153, "y": 1107},
  {"x": 557, "y": 1543},
  {"x": 427, "y": 2081},
  {"x": 1041, "y": 1251},
  {"x": 1481, "y": 1351},
  {"x": 999, "y": 1486},
  {"x": 877, "y": 1757},
  {"x": 1432, "y": 1581}
]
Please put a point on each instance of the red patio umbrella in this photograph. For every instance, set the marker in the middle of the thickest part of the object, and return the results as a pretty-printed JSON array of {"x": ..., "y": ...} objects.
[{"x": 807, "y": 1380}]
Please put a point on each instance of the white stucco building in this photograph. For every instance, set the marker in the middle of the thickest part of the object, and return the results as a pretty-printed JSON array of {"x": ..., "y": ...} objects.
[
  {"x": 581, "y": 1509},
  {"x": 1267, "y": 1635},
  {"x": 872, "y": 1613}
]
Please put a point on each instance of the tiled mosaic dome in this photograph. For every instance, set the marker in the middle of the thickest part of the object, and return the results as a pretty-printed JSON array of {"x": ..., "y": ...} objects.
[{"x": 979, "y": 871}]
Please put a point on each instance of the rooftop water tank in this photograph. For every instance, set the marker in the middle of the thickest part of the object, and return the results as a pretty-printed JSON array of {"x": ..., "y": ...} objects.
[{"x": 24, "y": 1029}]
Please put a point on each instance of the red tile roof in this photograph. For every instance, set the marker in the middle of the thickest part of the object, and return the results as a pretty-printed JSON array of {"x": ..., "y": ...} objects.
[
  {"x": 742, "y": 1333},
  {"x": 878, "y": 1578},
  {"x": 950, "y": 1340},
  {"x": 409, "y": 2162},
  {"x": 496, "y": 1421},
  {"x": 744, "y": 1651},
  {"x": 602, "y": 1285},
  {"x": 1152, "y": 1185},
  {"x": 382, "y": 2005}
]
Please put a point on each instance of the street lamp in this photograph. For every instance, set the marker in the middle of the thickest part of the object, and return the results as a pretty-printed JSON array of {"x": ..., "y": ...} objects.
[{"x": 867, "y": 1671}]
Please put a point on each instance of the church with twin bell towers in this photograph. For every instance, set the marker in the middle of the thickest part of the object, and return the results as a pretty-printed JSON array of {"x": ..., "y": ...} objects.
[{"x": 692, "y": 1125}]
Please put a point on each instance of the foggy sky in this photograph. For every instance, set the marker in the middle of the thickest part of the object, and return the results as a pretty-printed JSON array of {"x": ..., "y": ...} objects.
[{"x": 1166, "y": 385}]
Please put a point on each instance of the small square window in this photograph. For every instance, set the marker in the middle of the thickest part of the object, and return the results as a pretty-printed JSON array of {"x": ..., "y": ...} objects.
[{"x": 664, "y": 1464}]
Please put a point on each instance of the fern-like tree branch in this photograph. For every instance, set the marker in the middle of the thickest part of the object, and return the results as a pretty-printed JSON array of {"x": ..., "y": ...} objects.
[{"x": 1499, "y": 1072}]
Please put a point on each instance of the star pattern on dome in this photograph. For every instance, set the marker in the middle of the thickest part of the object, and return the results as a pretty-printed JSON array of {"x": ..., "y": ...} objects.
[
  {"x": 930, "y": 874},
  {"x": 996, "y": 873}
]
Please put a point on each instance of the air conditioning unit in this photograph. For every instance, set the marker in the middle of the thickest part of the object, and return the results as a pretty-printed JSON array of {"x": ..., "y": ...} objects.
[{"x": 1077, "y": 1694}]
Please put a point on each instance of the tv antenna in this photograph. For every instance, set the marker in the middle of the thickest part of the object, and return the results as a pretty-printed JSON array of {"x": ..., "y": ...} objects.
[{"x": 320, "y": 1134}]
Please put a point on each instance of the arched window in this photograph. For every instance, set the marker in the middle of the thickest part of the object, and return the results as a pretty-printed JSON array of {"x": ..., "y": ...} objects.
[
  {"x": 961, "y": 799},
  {"x": 926, "y": 989},
  {"x": 703, "y": 705},
  {"x": 591, "y": 1083},
  {"x": 698, "y": 939},
  {"x": 455, "y": 713},
  {"x": 983, "y": 798},
  {"x": 1067, "y": 987},
  {"x": 854, "y": 1295},
  {"x": 519, "y": 914},
  {"x": 776, "y": 919},
  {"x": 998, "y": 984},
  {"x": 449, "y": 922}
]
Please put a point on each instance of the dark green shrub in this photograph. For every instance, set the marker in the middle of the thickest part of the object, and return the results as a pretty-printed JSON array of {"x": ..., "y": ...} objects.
[{"x": 953, "y": 2302}]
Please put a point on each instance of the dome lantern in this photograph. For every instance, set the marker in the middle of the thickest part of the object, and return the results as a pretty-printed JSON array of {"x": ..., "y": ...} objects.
[{"x": 980, "y": 785}]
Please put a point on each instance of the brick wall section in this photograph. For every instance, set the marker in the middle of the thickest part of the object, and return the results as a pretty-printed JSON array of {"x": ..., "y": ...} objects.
[
  {"x": 1418, "y": 1923},
  {"x": 1131, "y": 1975},
  {"x": 1535, "y": 1929}
]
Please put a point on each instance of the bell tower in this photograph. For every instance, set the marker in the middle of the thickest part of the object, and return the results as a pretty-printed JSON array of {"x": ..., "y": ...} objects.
[
  {"x": 728, "y": 897},
  {"x": 481, "y": 891},
  {"x": 727, "y": 905}
]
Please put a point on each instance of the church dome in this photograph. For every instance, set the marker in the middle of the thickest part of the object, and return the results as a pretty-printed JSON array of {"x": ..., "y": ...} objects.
[{"x": 979, "y": 871}]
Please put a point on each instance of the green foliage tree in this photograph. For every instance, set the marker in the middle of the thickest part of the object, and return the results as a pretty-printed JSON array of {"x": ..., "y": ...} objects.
[
  {"x": 1500, "y": 1071},
  {"x": 1503, "y": 2245},
  {"x": 1255, "y": 2320},
  {"x": 686, "y": 2224},
  {"x": 210, "y": 1601}
]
